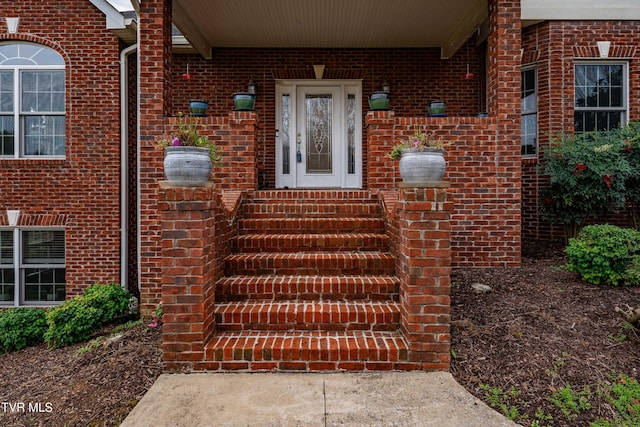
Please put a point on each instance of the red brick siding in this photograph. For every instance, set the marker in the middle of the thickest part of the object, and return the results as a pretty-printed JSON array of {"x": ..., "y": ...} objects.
[
  {"x": 196, "y": 231},
  {"x": 155, "y": 95},
  {"x": 553, "y": 47},
  {"x": 485, "y": 220},
  {"x": 83, "y": 189},
  {"x": 416, "y": 76}
]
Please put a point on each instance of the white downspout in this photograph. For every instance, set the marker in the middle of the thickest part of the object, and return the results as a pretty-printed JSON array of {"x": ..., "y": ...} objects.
[{"x": 124, "y": 164}]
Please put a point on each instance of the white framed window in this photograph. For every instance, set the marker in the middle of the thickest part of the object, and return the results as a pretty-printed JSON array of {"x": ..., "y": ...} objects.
[
  {"x": 601, "y": 93},
  {"x": 32, "y": 101},
  {"x": 32, "y": 267},
  {"x": 529, "y": 98}
]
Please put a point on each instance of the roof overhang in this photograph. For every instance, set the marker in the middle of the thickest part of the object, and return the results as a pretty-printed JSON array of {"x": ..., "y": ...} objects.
[
  {"x": 447, "y": 25},
  {"x": 533, "y": 11},
  {"x": 123, "y": 25}
]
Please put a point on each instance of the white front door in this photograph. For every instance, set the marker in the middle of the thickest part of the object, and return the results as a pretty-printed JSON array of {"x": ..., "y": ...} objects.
[{"x": 318, "y": 138}]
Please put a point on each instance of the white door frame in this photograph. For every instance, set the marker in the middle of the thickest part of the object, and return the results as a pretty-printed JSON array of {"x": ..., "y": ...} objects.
[{"x": 349, "y": 92}]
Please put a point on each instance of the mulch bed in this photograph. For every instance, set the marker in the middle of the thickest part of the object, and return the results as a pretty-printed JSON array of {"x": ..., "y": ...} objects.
[
  {"x": 69, "y": 387},
  {"x": 539, "y": 329}
]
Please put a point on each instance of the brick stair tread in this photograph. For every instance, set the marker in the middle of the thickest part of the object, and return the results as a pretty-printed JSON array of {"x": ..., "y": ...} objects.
[
  {"x": 288, "y": 287},
  {"x": 302, "y": 350},
  {"x": 307, "y": 315},
  {"x": 311, "y": 263},
  {"x": 310, "y": 225},
  {"x": 256, "y": 210},
  {"x": 310, "y": 242},
  {"x": 313, "y": 196}
]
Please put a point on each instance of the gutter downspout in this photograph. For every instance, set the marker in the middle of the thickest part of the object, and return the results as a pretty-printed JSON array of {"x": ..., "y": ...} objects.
[{"x": 124, "y": 164}]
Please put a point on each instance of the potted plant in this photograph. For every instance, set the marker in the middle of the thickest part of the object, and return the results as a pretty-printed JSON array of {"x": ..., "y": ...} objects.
[
  {"x": 244, "y": 101},
  {"x": 421, "y": 158},
  {"x": 189, "y": 156},
  {"x": 379, "y": 101},
  {"x": 198, "y": 108}
]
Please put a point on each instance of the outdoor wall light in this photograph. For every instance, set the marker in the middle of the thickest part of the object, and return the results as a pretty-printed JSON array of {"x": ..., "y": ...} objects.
[
  {"x": 385, "y": 86},
  {"x": 251, "y": 86}
]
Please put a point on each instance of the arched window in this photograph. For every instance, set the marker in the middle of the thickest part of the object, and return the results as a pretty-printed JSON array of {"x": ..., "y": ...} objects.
[{"x": 32, "y": 101}]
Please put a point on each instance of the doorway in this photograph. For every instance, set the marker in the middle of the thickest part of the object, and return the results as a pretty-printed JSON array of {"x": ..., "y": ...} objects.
[{"x": 319, "y": 134}]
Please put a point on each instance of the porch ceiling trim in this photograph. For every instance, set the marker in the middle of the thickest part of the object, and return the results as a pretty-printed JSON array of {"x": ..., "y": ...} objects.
[{"x": 447, "y": 25}]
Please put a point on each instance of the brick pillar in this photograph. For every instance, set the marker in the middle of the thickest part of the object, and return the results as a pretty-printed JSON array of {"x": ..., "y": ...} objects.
[
  {"x": 424, "y": 268},
  {"x": 504, "y": 80},
  {"x": 381, "y": 170},
  {"x": 155, "y": 95},
  {"x": 189, "y": 270},
  {"x": 240, "y": 168}
]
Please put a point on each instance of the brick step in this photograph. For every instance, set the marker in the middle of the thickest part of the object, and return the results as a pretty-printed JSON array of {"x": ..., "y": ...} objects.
[
  {"x": 252, "y": 243},
  {"x": 311, "y": 264},
  {"x": 310, "y": 225},
  {"x": 307, "y": 288},
  {"x": 308, "y": 351},
  {"x": 311, "y": 210},
  {"x": 307, "y": 315},
  {"x": 313, "y": 196}
]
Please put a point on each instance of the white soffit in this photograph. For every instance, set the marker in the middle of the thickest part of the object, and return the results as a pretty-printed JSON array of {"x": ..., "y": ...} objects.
[
  {"x": 540, "y": 10},
  {"x": 329, "y": 23}
]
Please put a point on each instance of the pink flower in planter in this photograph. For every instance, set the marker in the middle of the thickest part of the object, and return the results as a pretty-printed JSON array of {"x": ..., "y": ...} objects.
[{"x": 175, "y": 142}]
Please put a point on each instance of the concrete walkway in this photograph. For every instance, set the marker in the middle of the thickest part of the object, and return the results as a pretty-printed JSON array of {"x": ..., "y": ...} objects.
[{"x": 299, "y": 399}]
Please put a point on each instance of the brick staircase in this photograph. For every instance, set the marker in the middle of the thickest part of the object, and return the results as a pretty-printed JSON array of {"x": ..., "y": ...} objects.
[{"x": 310, "y": 285}]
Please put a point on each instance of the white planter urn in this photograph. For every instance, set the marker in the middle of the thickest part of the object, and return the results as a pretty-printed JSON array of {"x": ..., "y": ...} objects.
[
  {"x": 422, "y": 166},
  {"x": 186, "y": 166}
]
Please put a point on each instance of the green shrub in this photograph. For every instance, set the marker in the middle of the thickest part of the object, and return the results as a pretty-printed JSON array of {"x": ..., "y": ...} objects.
[
  {"x": 604, "y": 254},
  {"x": 111, "y": 298},
  {"x": 590, "y": 175},
  {"x": 21, "y": 327},
  {"x": 73, "y": 321},
  {"x": 79, "y": 318}
]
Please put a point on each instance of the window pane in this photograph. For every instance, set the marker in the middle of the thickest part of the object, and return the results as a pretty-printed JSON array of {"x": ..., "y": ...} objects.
[
  {"x": 351, "y": 134},
  {"x": 616, "y": 97},
  {"x": 7, "y": 140},
  {"x": 6, "y": 91},
  {"x": 42, "y": 284},
  {"x": 616, "y": 75},
  {"x": 599, "y": 96},
  {"x": 6, "y": 247},
  {"x": 43, "y": 247},
  {"x": 580, "y": 75},
  {"x": 284, "y": 132},
  {"x": 7, "y": 285},
  {"x": 529, "y": 134},
  {"x": 578, "y": 122},
  {"x": 581, "y": 98},
  {"x": 603, "y": 97},
  {"x": 44, "y": 135},
  {"x": 602, "y": 118},
  {"x": 42, "y": 91},
  {"x": 28, "y": 54}
]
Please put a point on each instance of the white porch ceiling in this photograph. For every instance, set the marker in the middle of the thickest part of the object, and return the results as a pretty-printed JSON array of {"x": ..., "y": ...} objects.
[{"x": 446, "y": 24}]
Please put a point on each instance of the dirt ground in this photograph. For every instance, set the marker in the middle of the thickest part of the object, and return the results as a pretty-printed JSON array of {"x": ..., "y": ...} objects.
[{"x": 539, "y": 329}]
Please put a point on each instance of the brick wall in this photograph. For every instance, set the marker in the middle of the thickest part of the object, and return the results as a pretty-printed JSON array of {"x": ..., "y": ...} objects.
[
  {"x": 82, "y": 191},
  {"x": 553, "y": 47},
  {"x": 416, "y": 76},
  {"x": 155, "y": 92},
  {"x": 197, "y": 225},
  {"x": 485, "y": 221}
]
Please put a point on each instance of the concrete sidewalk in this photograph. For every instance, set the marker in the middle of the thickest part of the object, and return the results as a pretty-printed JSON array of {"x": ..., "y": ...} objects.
[{"x": 299, "y": 399}]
